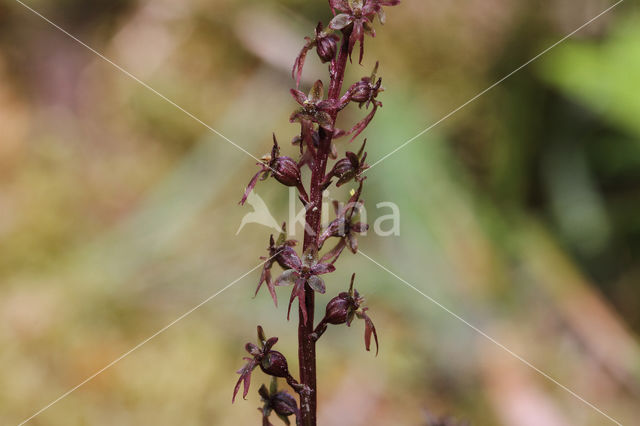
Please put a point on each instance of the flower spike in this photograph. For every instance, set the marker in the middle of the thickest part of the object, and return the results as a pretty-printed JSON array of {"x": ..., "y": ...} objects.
[{"x": 317, "y": 113}]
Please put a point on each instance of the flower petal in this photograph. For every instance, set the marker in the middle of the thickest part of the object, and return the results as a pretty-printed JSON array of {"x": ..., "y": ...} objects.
[
  {"x": 334, "y": 253},
  {"x": 359, "y": 128},
  {"x": 287, "y": 278},
  {"x": 299, "y": 96},
  {"x": 296, "y": 72},
  {"x": 340, "y": 21},
  {"x": 317, "y": 284},
  {"x": 245, "y": 377},
  {"x": 369, "y": 329},
  {"x": 352, "y": 242},
  {"x": 340, "y": 5},
  {"x": 263, "y": 392},
  {"x": 298, "y": 291},
  {"x": 290, "y": 258},
  {"x": 252, "y": 184},
  {"x": 322, "y": 268},
  {"x": 360, "y": 227},
  {"x": 317, "y": 92},
  {"x": 266, "y": 278},
  {"x": 269, "y": 344},
  {"x": 252, "y": 349}
]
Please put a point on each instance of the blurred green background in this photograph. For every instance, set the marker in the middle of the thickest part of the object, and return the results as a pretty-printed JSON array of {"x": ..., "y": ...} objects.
[{"x": 520, "y": 213}]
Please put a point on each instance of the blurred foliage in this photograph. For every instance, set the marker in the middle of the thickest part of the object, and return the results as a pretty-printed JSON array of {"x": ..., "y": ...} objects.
[{"x": 118, "y": 212}]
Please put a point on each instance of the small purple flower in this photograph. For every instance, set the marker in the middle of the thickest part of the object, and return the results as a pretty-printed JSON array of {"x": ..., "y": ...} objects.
[
  {"x": 284, "y": 169},
  {"x": 303, "y": 272},
  {"x": 344, "y": 227},
  {"x": 280, "y": 402},
  {"x": 348, "y": 168},
  {"x": 314, "y": 109},
  {"x": 367, "y": 89},
  {"x": 360, "y": 14},
  {"x": 326, "y": 44},
  {"x": 271, "y": 362},
  {"x": 342, "y": 309},
  {"x": 365, "y": 93},
  {"x": 278, "y": 253}
]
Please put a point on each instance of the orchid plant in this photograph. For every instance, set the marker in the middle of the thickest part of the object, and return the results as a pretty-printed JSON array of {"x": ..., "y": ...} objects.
[{"x": 316, "y": 116}]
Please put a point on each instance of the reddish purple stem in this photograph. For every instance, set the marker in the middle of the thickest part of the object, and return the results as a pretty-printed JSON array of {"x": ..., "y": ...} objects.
[{"x": 306, "y": 342}]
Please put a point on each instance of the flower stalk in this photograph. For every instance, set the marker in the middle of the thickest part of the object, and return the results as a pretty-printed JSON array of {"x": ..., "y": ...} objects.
[{"x": 317, "y": 116}]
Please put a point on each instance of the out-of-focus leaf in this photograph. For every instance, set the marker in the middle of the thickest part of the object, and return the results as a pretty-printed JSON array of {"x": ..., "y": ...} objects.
[{"x": 602, "y": 76}]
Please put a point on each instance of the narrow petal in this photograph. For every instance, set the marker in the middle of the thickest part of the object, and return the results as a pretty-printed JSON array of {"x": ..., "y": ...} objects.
[
  {"x": 298, "y": 292},
  {"x": 252, "y": 349},
  {"x": 263, "y": 392},
  {"x": 263, "y": 278},
  {"x": 353, "y": 38},
  {"x": 261, "y": 336},
  {"x": 317, "y": 92},
  {"x": 299, "y": 96},
  {"x": 291, "y": 299},
  {"x": 252, "y": 184},
  {"x": 245, "y": 378},
  {"x": 247, "y": 383},
  {"x": 369, "y": 329},
  {"x": 334, "y": 253},
  {"x": 272, "y": 290},
  {"x": 236, "y": 389},
  {"x": 352, "y": 242},
  {"x": 359, "y": 128},
  {"x": 357, "y": 36},
  {"x": 269, "y": 344},
  {"x": 296, "y": 72},
  {"x": 302, "y": 300}
]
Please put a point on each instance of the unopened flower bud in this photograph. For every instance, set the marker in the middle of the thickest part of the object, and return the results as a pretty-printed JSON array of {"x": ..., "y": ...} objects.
[
  {"x": 275, "y": 364},
  {"x": 342, "y": 167},
  {"x": 327, "y": 47},
  {"x": 284, "y": 404},
  {"x": 338, "y": 309},
  {"x": 361, "y": 91},
  {"x": 287, "y": 171}
]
